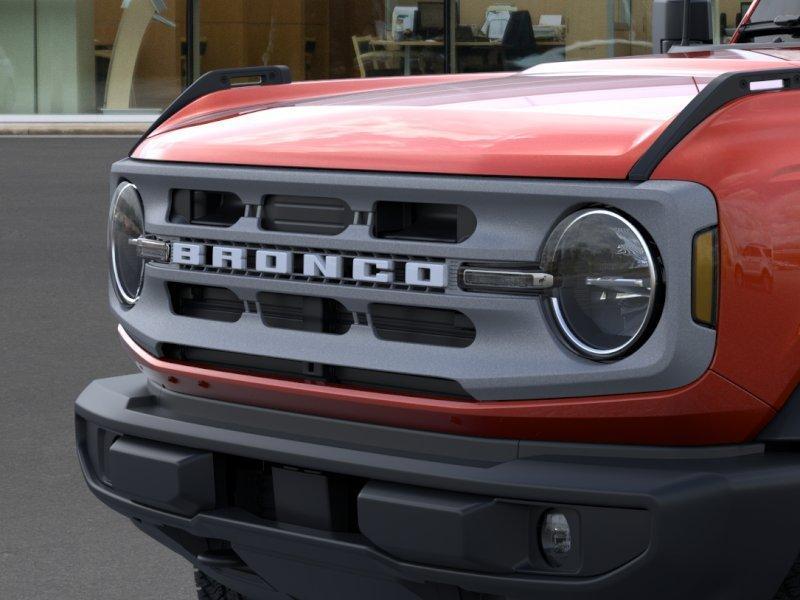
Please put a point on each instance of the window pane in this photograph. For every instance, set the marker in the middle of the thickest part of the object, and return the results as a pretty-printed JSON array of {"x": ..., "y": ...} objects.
[
  {"x": 17, "y": 57},
  {"x": 81, "y": 56},
  {"x": 325, "y": 39},
  {"x": 140, "y": 53},
  {"x": 492, "y": 36},
  {"x": 730, "y": 14}
]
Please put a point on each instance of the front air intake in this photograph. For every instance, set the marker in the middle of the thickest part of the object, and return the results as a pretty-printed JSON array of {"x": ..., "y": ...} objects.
[
  {"x": 306, "y": 214},
  {"x": 212, "y": 209},
  {"x": 205, "y": 302},
  {"x": 304, "y": 313},
  {"x": 417, "y": 221},
  {"x": 418, "y": 325}
]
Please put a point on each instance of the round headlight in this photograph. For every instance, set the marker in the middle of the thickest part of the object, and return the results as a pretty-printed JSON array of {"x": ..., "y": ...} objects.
[
  {"x": 606, "y": 282},
  {"x": 126, "y": 223}
]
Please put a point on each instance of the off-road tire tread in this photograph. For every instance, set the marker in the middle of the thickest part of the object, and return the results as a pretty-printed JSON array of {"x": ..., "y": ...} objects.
[
  {"x": 790, "y": 588},
  {"x": 209, "y": 589}
]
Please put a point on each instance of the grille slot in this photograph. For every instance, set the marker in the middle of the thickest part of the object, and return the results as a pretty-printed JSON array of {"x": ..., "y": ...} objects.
[
  {"x": 304, "y": 313},
  {"x": 305, "y": 214},
  {"x": 316, "y": 372},
  {"x": 416, "y": 221},
  {"x": 197, "y": 207},
  {"x": 205, "y": 302},
  {"x": 431, "y": 326}
]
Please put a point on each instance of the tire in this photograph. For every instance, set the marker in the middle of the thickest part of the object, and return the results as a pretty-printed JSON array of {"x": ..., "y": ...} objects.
[
  {"x": 790, "y": 588},
  {"x": 210, "y": 589}
]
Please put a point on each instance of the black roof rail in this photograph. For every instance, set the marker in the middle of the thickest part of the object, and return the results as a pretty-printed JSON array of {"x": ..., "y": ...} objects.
[
  {"x": 221, "y": 79},
  {"x": 719, "y": 92}
]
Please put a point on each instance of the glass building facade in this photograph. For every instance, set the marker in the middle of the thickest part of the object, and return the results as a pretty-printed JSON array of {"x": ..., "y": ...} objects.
[{"x": 114, "y": 57}]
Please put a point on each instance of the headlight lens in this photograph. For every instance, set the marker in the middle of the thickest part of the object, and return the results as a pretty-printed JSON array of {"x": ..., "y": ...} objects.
[
  {"x": 126, "y": 223},
  {"x": 606, "y": 282}
]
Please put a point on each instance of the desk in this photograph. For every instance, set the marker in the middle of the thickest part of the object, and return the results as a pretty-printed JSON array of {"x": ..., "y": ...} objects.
[{"x": 408, "y": 45}]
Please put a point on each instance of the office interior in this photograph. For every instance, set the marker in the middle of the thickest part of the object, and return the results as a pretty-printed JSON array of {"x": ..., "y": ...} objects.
[{"x": 111, "y": 57}]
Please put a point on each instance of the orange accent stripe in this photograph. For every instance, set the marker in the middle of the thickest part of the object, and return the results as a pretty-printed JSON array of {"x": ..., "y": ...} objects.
[{"x": 709, "y": 411}]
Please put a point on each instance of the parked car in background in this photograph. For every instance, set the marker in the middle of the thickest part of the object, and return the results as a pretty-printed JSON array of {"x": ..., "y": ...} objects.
[{"x": 755, "y": 265}]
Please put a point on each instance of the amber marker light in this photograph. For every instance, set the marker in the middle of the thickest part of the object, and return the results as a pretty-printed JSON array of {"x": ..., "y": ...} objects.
[{"x": 705, "y": 277}]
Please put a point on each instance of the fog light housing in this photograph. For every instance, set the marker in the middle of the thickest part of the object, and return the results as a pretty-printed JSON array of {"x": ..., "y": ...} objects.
[
  {"x": 556, "y": 538},
  {"x": 126, "y": 225}
]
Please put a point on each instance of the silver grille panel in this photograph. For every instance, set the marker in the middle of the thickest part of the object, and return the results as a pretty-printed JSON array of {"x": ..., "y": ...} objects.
[{"x": 516, "y": 353}]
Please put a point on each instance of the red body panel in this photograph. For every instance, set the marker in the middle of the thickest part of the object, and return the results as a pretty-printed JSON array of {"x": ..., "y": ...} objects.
[
  {"x": 748, "y": 153},
  {"x": 710, "y": 411},
  {"x": 246, "y": 98},
  {"x": 590, "y": 120}
]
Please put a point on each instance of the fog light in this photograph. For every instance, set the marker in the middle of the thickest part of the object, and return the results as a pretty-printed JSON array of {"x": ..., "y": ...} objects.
[{"x": 556, "y": 538}]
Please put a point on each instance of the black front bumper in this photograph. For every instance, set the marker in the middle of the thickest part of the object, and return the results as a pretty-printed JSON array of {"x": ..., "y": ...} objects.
[{"x": 276, "y": 504}]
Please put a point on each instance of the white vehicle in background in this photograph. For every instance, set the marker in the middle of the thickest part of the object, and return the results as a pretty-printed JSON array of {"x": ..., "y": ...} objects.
[{"x": 754, "y": 265}]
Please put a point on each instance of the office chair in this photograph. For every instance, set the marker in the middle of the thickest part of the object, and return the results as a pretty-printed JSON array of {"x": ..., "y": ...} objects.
[
  {"x": 376, "y": 63},
  {"x": 518, "y": 40}
]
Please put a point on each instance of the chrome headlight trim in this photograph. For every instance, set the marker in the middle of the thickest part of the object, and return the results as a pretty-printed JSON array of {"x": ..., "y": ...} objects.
[
  {"x": 124, "y": 296},
  {"x": 548, "y": 258}
]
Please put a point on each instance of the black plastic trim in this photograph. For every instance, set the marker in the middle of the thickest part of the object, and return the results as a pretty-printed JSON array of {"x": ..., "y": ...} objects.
[
  {"x": 719, "y": 92},
  {"x": 215, "y": 81},
  {"x": 785, "y": 427},
  {"x": 705, "y": 511}
]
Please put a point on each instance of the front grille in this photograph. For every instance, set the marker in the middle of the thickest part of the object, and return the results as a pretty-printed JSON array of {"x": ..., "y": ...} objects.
[
  {"x": 436, "y": 338},
  {"x": 368, "y": 379}
]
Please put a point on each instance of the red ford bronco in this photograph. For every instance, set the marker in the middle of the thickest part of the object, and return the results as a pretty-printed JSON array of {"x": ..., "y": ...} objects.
[{"x": 474, "y": 337}]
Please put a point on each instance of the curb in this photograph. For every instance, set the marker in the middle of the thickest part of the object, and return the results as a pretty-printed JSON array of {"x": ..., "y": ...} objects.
[{"x": 73, "y": 128}]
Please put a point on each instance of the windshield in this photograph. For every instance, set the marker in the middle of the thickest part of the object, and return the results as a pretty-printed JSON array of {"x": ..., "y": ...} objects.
[
  {"x": 768, "y": 10},
  {"x": 772, "y": 21}
]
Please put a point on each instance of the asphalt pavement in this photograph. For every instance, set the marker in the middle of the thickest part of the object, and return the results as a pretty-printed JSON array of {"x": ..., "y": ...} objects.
[{"x": 57, "y": 542}]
